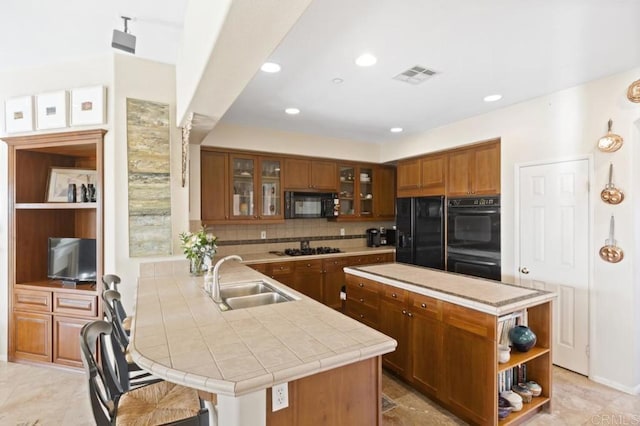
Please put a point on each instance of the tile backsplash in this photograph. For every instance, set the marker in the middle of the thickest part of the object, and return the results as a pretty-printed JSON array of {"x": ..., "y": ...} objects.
[{"x": 246, "y": 238}]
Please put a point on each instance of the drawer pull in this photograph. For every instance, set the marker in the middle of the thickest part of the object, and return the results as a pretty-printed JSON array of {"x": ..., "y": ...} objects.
[
  {"x": 361, "y": 315},
  {"x": 308, "y": 265},
  {"x": 410, "y": 314},
  {"x": 394, "y": 295},
  {"x": 423, "y": 305},
  {"x": 404, "y": 312},
  {"x": 361, "y": 284},
  {"x": 361, "y": 300}
]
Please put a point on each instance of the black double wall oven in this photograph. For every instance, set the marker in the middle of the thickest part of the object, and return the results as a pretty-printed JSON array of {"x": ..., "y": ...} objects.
[{"x": 473, "y": 236}]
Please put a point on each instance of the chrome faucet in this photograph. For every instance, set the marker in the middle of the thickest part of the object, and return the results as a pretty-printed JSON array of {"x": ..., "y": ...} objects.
[{"x": 215, "y": 292}]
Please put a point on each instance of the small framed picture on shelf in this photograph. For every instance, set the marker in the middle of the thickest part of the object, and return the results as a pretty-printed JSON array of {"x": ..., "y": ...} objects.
[
  {"x": 18, "y": 113},
  {"x": 65, "y": 185},
  {"x": 51, "y": 110},
  {"x": 88, "y": 106}
]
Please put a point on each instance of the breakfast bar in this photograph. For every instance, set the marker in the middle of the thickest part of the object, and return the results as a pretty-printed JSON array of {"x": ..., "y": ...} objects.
[{"x": 181, "y": 335}]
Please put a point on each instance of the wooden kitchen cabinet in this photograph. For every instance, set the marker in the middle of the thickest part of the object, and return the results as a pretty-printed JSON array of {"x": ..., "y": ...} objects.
[
  {"x": 422, "y": 176},
  {"x": 66, "y": 347},
  {"x": 395, "y": 322},
  {"x": 214, "y": 186},
  {"x": 334, "y": 280},
  {"x": 474, "y": 170},
  {"x": 239, "y": 187},
  {"x": 30, "y": 337},
  {"x": 307, "y": 278},
  {"x": 35, "y": 300},
  {"x": 311, "y": 175},
  {"x": 363, "y": 300},
  {"x": 384, "y": 198},
  {"x": 449, "y": 352}
]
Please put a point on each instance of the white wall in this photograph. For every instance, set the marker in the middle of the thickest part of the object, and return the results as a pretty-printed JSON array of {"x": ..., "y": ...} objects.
[
  {"x": 125, "y": 76},
  {"x": 151, "y": 81},
  {"x": 97, "y": 71},
  {"x": 563, "y": 125}
]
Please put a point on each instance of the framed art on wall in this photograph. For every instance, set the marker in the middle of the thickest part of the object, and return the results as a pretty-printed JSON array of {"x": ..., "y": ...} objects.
[
  {"x": 51, "y": 110},
  {"x": 88, "y": 105},
  {"x": 18, "y": 113}
]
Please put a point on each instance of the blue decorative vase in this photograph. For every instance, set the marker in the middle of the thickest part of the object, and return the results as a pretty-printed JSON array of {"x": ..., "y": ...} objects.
[{"x": 522, "y": 338}]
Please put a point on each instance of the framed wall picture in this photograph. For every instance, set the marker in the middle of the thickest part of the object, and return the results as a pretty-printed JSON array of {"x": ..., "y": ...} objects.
[
  {"x": 88, "y": 105},
  {"x": 61, "y": 177},
  {"x": 51, "y": 110},
  {"x": 18, "y": 114}
]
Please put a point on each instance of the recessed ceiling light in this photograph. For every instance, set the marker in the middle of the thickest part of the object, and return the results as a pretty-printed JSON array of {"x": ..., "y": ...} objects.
[
  {"x": 366, "y": 60},
  {"x": 270, "y": 67},
  {"x": 337, "y": 80},
  {"x": 396, "y": 129},
  {"x": 292, "y": 111},
  {"x": 492, "y": 98}
]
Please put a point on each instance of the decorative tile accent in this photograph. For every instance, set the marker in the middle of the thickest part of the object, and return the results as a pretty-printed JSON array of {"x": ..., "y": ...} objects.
[{"x": 148, "y": 150}]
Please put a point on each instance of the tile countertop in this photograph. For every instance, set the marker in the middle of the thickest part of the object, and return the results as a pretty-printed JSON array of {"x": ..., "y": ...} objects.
[
  {"x": 252, "y": 258},
  {"x": 181, "y": 335},
  {"x": 491, "y": 297}
]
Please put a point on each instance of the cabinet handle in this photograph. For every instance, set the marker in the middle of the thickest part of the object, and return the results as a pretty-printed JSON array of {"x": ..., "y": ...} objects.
[
  {"x": 423, "y": 305},
  {"x": 361, "y": 300},
  {"x": 410, "y": 315},
  {"x": 404, "y": 312},
  {"x": 394, "y": 295},
  {"x": 308, "y": 265},
  {"x": 361, "y": 284},
  {"x": 361, "y": 315}
]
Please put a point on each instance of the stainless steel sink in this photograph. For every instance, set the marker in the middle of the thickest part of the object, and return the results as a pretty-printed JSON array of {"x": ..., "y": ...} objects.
[
  {"x": 256, "y": 300},
  {"x": 250, "y": 294},
  {"x": 245, "y": 289}
]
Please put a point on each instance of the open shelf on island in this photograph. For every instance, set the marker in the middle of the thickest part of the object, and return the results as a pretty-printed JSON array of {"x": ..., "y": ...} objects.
[
  {"x": 518, "y": 358},
  {"x": 536, "y": 404}
]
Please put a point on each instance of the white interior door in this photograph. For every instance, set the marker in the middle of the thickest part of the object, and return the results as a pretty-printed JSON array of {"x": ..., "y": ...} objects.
[{"x": 554, "y": 251}]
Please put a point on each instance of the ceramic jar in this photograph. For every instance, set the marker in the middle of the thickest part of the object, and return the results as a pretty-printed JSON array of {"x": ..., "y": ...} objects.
[
  {"x": 522, "y": 338},
  {"x": 504, "y": 353}
]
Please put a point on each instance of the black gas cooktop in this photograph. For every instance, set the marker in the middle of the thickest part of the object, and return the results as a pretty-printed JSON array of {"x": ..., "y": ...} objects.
[{"x": 310, "y": 251}]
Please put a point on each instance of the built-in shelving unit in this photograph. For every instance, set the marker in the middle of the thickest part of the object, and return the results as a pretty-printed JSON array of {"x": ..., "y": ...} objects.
[{"x": 46, "y": 316}]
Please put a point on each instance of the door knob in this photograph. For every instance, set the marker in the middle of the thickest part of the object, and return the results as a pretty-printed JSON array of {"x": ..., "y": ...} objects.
[{"x": 524, "y": 270}]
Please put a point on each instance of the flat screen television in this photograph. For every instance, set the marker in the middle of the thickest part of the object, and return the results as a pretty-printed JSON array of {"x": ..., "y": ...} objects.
[{"x": 72, "y": 260}]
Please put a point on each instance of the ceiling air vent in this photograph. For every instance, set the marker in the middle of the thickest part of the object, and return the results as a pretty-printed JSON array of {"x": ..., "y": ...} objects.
[{"x": 415, "y": 75}]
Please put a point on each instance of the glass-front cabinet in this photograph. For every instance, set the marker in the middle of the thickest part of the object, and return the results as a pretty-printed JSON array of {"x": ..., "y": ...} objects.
[
  {"x": 356, "y": 191},
  {"x": 271, "y": 189},
  {"x": 256, "y": 188}
]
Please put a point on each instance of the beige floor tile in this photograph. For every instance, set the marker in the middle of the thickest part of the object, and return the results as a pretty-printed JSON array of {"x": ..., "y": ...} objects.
[{"x": 49, "y": 396}]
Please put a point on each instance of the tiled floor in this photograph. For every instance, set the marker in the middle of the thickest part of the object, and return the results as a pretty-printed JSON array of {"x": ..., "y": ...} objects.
[{"x": 32, "y": 396}]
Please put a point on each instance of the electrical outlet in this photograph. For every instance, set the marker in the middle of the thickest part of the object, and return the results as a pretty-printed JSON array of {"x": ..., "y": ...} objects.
[
  {"x": 342, "y": 232},
  {"x": 263, "y": 235},
  {"x": 280, "y": 396}
]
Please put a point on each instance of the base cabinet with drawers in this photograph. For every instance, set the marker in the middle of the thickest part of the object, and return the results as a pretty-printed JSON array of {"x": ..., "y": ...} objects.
[
  {"x": 46, "y": 325},
  {"x": 449, "y": 352},
  {"x": 321, "y": 278}
]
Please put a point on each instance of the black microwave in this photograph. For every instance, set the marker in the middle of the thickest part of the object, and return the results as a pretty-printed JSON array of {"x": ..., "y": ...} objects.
[{"x": 304, "y": 205}]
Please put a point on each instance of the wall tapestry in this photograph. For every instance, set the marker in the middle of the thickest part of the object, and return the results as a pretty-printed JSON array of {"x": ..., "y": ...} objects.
[{"x": 148, "y": 158}]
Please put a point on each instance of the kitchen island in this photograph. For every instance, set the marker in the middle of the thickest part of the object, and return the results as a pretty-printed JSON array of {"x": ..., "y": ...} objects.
[
  {"x": 330, "y": 362},
  {"x": 448, "y": 326}
]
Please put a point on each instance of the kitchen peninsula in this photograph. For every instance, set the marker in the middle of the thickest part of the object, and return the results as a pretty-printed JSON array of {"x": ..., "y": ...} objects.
[
  {"x": 447, "y": 326},
  {"x": 331, "y": 363}
]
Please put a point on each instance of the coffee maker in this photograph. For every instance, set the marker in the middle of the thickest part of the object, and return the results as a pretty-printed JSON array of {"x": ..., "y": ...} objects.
[{"x": 373, "y": 237}]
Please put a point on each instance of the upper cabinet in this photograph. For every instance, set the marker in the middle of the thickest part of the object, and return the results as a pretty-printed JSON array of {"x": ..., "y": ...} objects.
[
  {"x": 366, "y": 192},
  {"x": 422, "y": 176},
  {"x": 240, "y": 187},
  {"x": 474, "y": 170},
  {"x": 384, "y": 201},
  {"x": 310, "y": 175}
]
